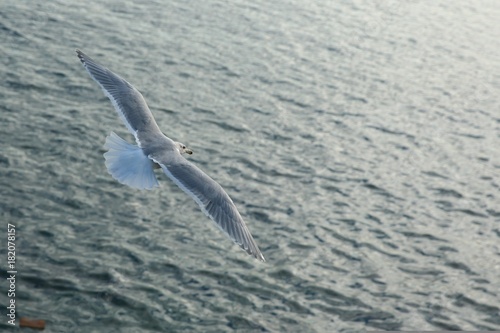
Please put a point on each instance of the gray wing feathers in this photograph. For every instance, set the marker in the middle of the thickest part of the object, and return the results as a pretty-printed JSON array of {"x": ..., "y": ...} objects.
[
  {"x": 213, "y": 200},
  {"x": 136, "y": 115},
  {"x": 127, "y": 100}
]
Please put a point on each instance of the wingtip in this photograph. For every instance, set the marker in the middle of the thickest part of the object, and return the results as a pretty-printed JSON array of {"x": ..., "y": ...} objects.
[
  {"x": 258, "y": 255},
  {"x": 252, "y": 249},
  {"x": 80, "y": 55}
]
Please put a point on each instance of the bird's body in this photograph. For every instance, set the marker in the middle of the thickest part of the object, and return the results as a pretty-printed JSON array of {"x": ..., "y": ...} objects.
[{"x": 134, "y": 165}]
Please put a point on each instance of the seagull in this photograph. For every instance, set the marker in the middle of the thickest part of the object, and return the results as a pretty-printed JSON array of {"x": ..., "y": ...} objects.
[{"x": 133, "y": 165}]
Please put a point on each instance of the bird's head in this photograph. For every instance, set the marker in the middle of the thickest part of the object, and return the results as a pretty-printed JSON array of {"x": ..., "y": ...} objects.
[{"x": 183, "y": 149}]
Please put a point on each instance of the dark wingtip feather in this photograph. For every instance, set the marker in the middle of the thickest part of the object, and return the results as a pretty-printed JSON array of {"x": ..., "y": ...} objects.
[
  {"x": 81, "y": 56},
  {"x": 255, "y": 253},
  {"x": 79, "y": 53}
]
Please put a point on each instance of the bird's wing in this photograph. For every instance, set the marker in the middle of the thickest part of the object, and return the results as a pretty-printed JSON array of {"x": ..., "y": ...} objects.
[
  {"x": 211, "y": 197},
  {"x": 127, "y": 100}
]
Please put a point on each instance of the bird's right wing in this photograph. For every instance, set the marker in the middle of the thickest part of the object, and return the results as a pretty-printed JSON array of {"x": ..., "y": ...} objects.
[{"x": 211, "y": 198}]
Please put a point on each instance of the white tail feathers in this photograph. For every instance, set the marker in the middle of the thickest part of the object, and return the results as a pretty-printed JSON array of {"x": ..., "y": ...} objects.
[{"x": 128, "y": 164}]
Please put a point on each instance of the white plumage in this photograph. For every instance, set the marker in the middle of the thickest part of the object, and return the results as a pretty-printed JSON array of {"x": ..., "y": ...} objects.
[{"x": 133, "y": 165}]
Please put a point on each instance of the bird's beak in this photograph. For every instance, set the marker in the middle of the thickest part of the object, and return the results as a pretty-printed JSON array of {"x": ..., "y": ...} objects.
[{"x": 188, "y": 151}]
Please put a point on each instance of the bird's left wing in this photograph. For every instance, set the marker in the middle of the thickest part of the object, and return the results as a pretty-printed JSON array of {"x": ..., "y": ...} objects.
[{"x": 127, "y": 100}]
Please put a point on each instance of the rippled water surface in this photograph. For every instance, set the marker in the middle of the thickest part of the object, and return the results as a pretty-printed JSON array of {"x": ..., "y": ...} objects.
[{"x": 359, "y": 139}]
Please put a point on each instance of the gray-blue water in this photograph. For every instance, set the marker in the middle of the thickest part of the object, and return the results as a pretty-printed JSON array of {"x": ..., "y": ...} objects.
[{"x": 359, "y": 140}]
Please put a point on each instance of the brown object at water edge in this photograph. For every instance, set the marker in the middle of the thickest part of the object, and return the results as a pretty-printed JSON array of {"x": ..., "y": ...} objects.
[{"x": 32, "y": 323}]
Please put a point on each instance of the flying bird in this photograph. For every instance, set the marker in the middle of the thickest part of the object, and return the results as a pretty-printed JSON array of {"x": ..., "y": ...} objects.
[{"x": 134, "y": 165}]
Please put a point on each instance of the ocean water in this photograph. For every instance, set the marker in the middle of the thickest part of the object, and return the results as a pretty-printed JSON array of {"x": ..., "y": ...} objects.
[{"x": 359, "y": 140}]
